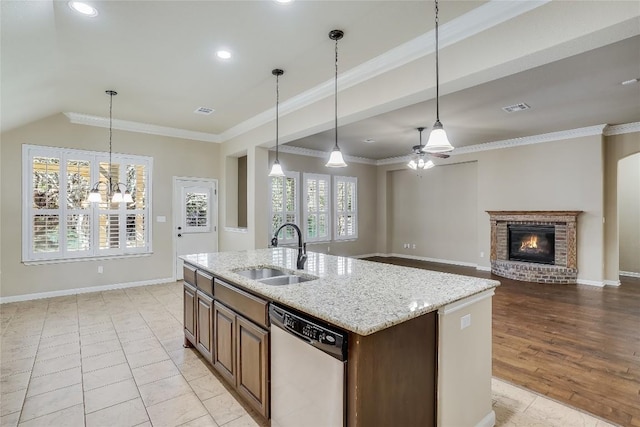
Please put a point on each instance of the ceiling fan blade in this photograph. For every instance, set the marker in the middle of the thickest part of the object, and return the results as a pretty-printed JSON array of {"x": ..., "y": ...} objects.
[{"x": 439, "y": 155}]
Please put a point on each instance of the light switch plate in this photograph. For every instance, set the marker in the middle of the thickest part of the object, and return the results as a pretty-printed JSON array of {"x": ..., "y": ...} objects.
[{"x": 161, "y": 219}]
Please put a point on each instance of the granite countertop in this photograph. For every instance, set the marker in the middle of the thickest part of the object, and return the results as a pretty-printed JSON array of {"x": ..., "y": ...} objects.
[{"x": 360, "y": 296}]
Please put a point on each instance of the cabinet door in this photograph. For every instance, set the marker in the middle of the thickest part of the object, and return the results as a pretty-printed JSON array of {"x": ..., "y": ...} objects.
[
  {"x": 204, "y": 330},
  {"x": 252, "y": 364},
  {"x": 189, "y": 313},
  {"x": 224, "y": 341}
]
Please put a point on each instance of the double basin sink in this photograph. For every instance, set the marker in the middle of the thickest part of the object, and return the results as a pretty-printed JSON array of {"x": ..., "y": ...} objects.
[{"x": 273, "y": 276}]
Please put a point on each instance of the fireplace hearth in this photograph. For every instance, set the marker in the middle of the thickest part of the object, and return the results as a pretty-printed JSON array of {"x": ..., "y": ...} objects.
[{"x": 532, "y": 243}]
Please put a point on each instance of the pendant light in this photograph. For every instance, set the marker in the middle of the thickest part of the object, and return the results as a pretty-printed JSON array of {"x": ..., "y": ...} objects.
[
  {"x": 336, "y": 160},
  {"x": 276, "y": 169},
  {"x": 438, "y": 141},
  {"x": 113, "y": 188},
  {"x": 419, "y": 159}
]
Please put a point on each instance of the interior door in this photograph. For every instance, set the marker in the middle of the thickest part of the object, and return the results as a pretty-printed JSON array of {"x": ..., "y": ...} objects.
[{"x": 195, "y": 218}]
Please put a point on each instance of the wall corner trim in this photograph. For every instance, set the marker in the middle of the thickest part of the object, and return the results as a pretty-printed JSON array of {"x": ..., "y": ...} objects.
[
  {"x": 614, "y": 283},
  {"x": 622, "y": 129},
  {"x": 489, "y": 420},
  {"x": 89, "y": 289},
  {"x": 598, "y": 283}
]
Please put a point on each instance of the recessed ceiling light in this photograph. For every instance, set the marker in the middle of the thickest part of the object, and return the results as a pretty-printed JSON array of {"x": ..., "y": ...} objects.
[
  {"x": 223, "y": 54},
  {"x": 283, "y": 1},
  {"x": 83, "y": 8},
  {"x": 630, "y": 82},
  {"x": 369, "y": 141}
]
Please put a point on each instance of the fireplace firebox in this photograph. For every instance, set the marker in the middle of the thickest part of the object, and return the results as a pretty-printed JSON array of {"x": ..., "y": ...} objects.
[{"x": 532, "y": 243}]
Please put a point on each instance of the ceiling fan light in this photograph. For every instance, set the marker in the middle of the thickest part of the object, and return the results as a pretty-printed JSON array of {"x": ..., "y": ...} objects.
[
  {"x": 428, "y": 165},
  {"x": 412, "y": 164},
  {"x": 276, "y": 169},
  {"x": 336, "y": 160},
  {"x": 438, "y": 141}
]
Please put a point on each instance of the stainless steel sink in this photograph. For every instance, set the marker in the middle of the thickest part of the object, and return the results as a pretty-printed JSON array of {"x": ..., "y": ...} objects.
[
  {"x": 285, "y": 280},
  {"x": 260, "y": 273}
]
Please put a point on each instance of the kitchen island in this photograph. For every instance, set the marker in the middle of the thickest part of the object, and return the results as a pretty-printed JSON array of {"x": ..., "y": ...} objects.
[{"x": 419, "y": 342}]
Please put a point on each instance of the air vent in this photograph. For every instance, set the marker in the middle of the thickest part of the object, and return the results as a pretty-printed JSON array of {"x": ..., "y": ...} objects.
[
  {"x": 204, "y": 110},
  {"x": 516, "y": 107}
]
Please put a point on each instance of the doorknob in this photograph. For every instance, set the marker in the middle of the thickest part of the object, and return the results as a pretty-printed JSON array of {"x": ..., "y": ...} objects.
[
  {"x": 179, "y": 235},
  {"x": 179, "y": 228}
]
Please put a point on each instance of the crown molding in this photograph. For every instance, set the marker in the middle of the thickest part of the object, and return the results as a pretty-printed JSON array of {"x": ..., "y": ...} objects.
[
  {"x": 473, "y": 22},
  {"x": 515, "y": 142},
  {"x": 321, "y": 154},
  {"x": 85, "y": 119},
  {"x": 622, "y": 129}
]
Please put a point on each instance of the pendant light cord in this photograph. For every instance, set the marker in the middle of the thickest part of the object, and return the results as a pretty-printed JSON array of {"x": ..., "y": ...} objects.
[
  {"x": 437, "y": 70},
  {"x": 277, "y": 111},
  {"x": 110, "y": 133},
  {"x": 335, "y": 98}
]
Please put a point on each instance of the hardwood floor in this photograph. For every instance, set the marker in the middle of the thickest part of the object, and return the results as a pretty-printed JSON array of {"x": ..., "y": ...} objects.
[{"x": 579, "y": 345}]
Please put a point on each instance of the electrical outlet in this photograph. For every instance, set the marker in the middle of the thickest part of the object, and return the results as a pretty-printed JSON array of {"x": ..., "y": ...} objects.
[
  {"x": 414, "y": 246},
  {"x": 100, "y": 269},
  {"x": 465, "y": 321},
  {"x": 328, "y": 249},
  {"x": 481, "y": 254}
]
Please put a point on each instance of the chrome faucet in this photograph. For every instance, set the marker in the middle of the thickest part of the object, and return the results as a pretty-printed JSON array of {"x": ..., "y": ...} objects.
[{"x": 302, "y": 247}]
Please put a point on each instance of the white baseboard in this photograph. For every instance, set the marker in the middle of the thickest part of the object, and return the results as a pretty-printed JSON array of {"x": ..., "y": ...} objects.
[
  {"x": 629, "y": 273},
  {"x": 65, "y": 292},
  {"x": 483, "y": 268},
  {"x": 612, "y": 282},
  {"x": 489, "y": 420},
  {"x": 597, "y": 283},
  {"x": 440, "y": 261}
]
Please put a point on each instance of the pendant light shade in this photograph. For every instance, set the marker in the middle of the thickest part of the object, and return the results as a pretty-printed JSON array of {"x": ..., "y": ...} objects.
[
  {"x": 113, "y": 187},
  {"x": 438, "y": 141},
  {"x": 336, "y": 160},
  {"x": 276, "y": 168}
]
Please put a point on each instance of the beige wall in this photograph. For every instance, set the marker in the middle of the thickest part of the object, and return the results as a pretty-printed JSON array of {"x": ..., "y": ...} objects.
[
  {"x": 560, "y": 175},
  {"x": 171, "y": 157},
  {"x": 629, "y": 213},
  {"x": 367, "y": 194},
  {"x": 617, "y": 147},
  {"x": 242, "y": 191},
  {"x": 436, "y": 211}
]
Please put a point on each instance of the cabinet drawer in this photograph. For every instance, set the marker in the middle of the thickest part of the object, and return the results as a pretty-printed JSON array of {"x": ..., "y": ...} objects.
[
  {"x": 189, "y": 274},
  {"x": 204, "y": 282},
  {"x": 249, "y": 306}
]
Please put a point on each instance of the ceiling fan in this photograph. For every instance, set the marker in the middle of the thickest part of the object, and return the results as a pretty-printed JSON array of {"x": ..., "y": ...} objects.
[{"x": 420, "y": 159}]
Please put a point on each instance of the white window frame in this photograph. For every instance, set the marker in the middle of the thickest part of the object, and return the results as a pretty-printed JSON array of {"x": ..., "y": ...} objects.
[
  {"x": 282, "y": 239},
  {"x": 327, "y": 179},
  {"x": 354, "y": 212},
  {"x": 94, "y": 210}
]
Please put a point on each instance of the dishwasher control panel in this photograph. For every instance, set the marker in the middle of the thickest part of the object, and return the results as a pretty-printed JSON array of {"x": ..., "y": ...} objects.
[{"x": 329, "y": 340}]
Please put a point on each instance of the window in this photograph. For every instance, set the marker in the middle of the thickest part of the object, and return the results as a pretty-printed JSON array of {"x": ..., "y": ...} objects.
[
  {"x": 283, "y": 193},
  {"x": 58, "y": 222},
  {"x": 345, "y": 195},
  {"x": 197, "y": 216},
  {"x": 317, "y": 214}
]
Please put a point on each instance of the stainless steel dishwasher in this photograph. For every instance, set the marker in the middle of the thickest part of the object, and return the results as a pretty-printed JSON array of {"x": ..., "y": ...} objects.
[{"x": 308, "y": 371}]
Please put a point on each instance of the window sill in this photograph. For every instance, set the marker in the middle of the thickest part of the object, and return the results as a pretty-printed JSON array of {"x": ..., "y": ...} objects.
[
  {"x": 236, "y": 229},
  {"x": 99, "y": 258}
]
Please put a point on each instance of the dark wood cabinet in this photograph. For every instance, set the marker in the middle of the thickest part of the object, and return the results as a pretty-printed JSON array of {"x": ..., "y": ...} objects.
[
  {"x": 252, "y": 364},
  {"x": 204, "y": 325},
  {"x": 189, "y": 314},
  {"x": 224, "y": 336}
]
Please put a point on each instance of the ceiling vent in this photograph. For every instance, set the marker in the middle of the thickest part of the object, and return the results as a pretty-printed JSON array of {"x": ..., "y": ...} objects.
[
  {"x": 204, "y": 110},
  {"x": 516, "y": 107}
]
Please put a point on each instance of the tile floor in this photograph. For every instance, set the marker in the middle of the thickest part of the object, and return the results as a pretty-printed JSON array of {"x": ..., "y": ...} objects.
[{"x": 116, "y": 359}]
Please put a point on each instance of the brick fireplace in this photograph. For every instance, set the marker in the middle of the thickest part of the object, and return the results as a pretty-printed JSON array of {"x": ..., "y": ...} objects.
[{"x": 546, "y": 251}]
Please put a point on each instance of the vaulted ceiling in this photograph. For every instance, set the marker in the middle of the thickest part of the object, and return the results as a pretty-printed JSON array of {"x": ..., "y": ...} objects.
[{"x": 160, "y": 57}]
